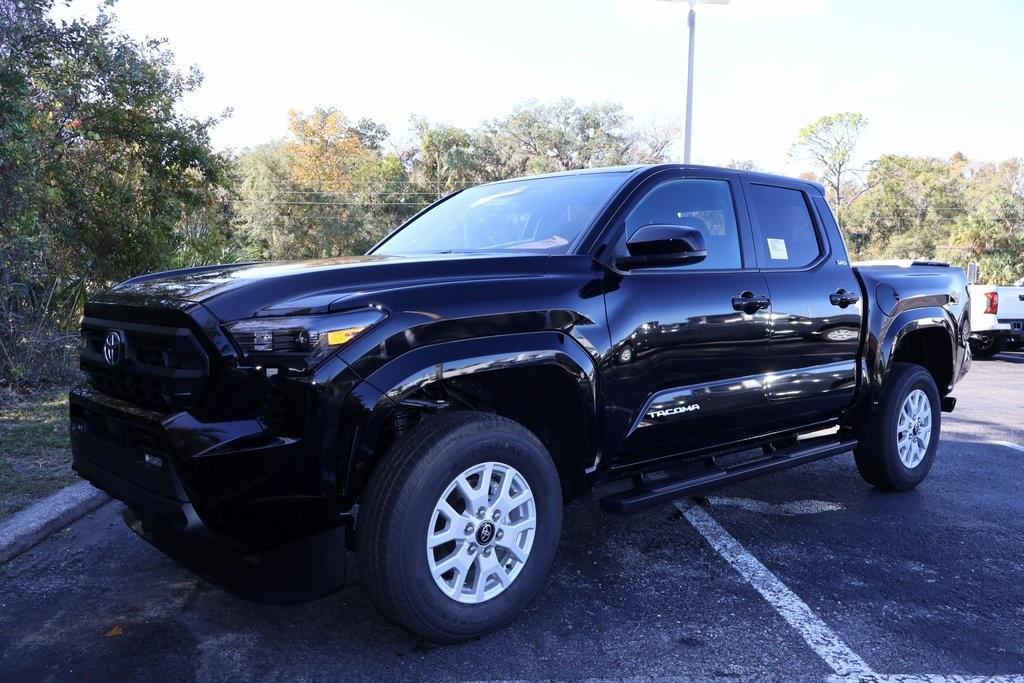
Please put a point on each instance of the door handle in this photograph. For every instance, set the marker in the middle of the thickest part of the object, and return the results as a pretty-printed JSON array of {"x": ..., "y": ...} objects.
[
  {"x": 750, "y": 303},
  {"x": 842, "y": 298}
]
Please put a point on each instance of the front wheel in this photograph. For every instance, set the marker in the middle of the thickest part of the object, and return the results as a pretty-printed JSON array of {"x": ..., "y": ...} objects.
[
  {"x": 899, "y": 438},
  {"x": 459, "y": 525}
]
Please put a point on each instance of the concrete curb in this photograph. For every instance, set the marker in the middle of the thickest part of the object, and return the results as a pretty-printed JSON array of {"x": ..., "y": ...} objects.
[{"x": 31, "y": 525}]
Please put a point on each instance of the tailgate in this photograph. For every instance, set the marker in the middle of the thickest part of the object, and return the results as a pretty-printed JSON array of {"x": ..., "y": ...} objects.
[{"x": 1011, "y": 303}]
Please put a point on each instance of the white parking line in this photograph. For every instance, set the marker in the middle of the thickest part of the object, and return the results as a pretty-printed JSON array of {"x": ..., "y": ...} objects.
[
  {"x": 926, "y": 678},
  {"x": 795, "y": 507},
  {"x": 1008, "y": 445},
  {"x": 823, "y": 640},
  {"x": 846, "y": 663}
]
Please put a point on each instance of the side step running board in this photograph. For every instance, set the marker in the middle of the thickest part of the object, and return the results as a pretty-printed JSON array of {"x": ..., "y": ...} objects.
[{"x": 664, "y": 490}]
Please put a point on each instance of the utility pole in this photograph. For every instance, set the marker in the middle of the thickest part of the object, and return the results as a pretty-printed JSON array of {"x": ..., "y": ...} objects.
[{"x": 691, "y": 23}]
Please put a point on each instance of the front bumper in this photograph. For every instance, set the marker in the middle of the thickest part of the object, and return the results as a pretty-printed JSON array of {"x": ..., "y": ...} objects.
[
  {"x": 294, "y": 572},
  {"x": 226, "y": 499}
]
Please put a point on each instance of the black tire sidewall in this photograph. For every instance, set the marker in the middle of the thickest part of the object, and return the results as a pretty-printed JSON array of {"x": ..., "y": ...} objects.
[
  {"x": 427, "y": 607},
  {"x": 900, "y": 475}
]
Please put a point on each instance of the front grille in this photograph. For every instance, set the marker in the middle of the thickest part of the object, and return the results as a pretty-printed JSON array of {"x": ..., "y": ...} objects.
[{"x": 160, "y": 368}]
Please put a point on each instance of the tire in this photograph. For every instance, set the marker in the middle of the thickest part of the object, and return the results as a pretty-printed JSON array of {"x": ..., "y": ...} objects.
[
  {"x": 842, "y": 334},
  {"x": 987, "y": 345},
  {"x": 402, "y": 503},
  {"x": 878, "y": 451}
]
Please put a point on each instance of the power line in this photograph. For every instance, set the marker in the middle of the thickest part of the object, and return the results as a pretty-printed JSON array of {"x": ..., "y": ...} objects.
[{"x": 849, "y": 75}]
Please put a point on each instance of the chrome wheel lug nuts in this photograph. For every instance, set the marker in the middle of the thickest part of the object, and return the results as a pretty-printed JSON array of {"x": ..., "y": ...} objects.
[
  {"x": 480, "y": 513},
  {"x": 487, "y": 552},
  {"x": 500, "y": 535},
  {"x": 469, "y": 529},
  {"x": 471, "y": 549},
  {"x": 496, "y": 516}
]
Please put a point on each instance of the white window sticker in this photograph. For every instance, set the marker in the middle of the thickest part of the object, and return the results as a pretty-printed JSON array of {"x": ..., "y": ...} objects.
[{"x": 777, "y": 249}]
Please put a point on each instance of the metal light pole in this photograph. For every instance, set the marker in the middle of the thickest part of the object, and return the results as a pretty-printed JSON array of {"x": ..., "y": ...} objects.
[{"x": 691, "y": 23}]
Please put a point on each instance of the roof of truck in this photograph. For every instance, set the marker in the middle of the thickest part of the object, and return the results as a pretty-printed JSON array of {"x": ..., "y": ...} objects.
[{"x": 754, "y": 175}]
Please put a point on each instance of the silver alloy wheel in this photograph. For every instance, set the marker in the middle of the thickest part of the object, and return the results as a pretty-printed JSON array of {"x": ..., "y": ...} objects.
[
  {"x": 481, "y": 532},
  {"x": 842, "y": 334},
  {"x": 914, "y": 429}
]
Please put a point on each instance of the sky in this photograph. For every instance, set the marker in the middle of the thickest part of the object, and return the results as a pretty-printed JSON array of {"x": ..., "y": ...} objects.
[{"x": 933, "y": 77}]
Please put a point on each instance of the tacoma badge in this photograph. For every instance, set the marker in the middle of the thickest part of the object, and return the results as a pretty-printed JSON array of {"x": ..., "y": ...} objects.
[{"x": 674, "y": 411}]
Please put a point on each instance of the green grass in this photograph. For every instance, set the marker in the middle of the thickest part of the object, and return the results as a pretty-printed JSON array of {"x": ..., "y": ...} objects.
[{"x": 35, "y": 458}]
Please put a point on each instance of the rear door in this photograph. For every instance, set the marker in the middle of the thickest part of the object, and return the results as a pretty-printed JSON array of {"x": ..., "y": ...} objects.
[
  {"x": 685, "y": 370},
  {"x": 816, "y": 319}
]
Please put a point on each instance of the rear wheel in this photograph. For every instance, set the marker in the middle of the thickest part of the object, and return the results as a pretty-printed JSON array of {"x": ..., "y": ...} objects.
[
  {"x": 986, "y": 345},
  {"x": 898, "y": 442},
  {"x": 459, "y": 525}
]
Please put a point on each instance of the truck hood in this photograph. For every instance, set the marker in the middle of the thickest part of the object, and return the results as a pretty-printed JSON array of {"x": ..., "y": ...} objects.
[{"x": 237, "y": 291}]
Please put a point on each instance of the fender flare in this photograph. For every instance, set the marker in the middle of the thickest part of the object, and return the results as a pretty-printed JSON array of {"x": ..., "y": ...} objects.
[
  {"x": 882, "y": 347},
  {"x": 402, "y": 377}
]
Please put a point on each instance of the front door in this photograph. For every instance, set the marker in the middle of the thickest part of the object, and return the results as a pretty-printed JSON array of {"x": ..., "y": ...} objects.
[{"x": 687, "y": 360}]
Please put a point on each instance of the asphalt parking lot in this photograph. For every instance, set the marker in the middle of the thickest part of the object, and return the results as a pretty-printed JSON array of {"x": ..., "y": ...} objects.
[{"x": 807, "y": 574}]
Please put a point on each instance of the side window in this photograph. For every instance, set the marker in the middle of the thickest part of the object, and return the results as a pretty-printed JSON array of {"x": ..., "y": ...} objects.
[
  {"x": 789, "y": 239},
  {"x": 696, "y": 203}
]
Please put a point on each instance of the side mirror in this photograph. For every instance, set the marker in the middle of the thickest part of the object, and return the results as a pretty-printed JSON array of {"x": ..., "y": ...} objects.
[{"x": 663, "y": 245}]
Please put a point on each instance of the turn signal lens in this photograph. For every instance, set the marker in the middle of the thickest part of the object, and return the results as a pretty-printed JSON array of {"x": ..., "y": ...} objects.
[{"x": 339, "y": 337}]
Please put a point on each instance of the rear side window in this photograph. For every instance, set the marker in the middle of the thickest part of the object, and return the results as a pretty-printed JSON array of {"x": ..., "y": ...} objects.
[
  {"x": 697, "y": 203},
  {"x": 788, "y": 237}
]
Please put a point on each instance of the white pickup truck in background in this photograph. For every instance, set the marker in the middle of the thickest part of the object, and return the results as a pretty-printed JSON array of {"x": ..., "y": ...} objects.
[{"x": 997, "y": 317}]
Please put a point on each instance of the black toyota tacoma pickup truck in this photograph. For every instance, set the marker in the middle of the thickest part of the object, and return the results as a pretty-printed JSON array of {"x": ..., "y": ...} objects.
[{"x": 432, "y": 404}]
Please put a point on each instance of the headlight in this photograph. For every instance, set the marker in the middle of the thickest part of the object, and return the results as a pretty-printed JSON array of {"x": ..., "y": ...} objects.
[{"x": 300, "y": 342}]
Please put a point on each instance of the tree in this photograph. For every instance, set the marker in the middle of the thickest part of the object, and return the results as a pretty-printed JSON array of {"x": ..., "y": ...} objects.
[
  {"x": 562, "y": 136},
  {"x": 992, "y": 232},
  {"x": 909, "y": 207},
  {"x": 448, "y": 158},
  {"x": 829, "y": 143},
  {"x": 98, "y": 171},
  {"x": 325, "y": 190},
  {"x": 951, "y": 209},
  {"x": 263, "y": 208},
  {"x": 743, "y": 165},
  {"x": 993, "y": 236},
  {"x": 387, "y": 196}
]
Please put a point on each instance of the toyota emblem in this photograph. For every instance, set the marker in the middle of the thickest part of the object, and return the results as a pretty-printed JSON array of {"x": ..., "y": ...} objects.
[
  {"x": 113, "y": 347},
  {"x": 485, "y": 533}
]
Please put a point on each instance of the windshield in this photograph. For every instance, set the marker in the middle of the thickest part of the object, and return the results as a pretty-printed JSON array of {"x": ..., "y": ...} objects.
[{"x": 534, "y": 214}]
